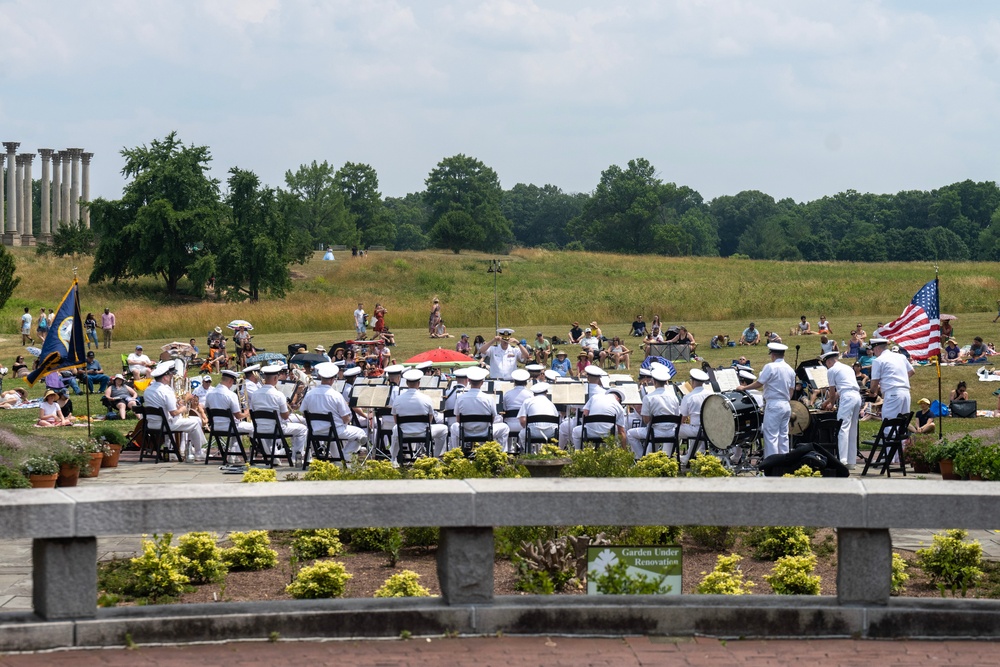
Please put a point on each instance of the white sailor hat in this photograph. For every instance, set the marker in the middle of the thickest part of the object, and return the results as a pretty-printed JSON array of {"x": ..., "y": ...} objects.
[
  {"x": 231, "y": 374},
  {"x": 540, "y": 387},
  {"x": 412, "y": 375},
  {"x": 206, "y": 378},
  {"x": 551, "y": 375},
  {"x": 594, "y": 371},
  {"x": 534, "y": 368},
  {"x": 620, "y": 393},
  {"x": 352, "y": 371},
  {"x": 163, "y": 368},
  {"x": 699, "y": 375},
  {"x": 645, "y": 372},
  {"x": 878, "y": 341},
  {"x": 477, "y": 374},
  {"x": 461, "y": 373},
  {"x": 520, "y": 375},
  {"x": 272, "y": 369},
  {"x": 827, "y": 355},
  {"x": 655, "y": 365},
  {"x": 251, "y": 369},
  {"x": 327, "y": 370},
  {"x": 504, "y": 331},
  {"x": 777, "y": 347},
  {"x": 661, "y": 373},
  {"x": 339, "y": 363},
  {"x": 395, "y": 369},
  {"x": 744, "y": 367},
  {"x": 747, "y": 375},
  {"x": 423, "y": 364}
]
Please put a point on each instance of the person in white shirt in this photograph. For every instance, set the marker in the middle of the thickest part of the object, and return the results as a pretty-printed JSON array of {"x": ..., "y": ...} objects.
[
  {"x": 608, "y": 404},
  {"x": 778, "y": 382},
  {"x": 661, "y": 401},
  {"x": 251, "y": 381},
  {"x": 139, "y": 364},
  {"x": 891, "y": 373},
  {"x": 411, "y": 403},
  {"x": 590, "y": 344},
  {"x": 594, "y": 387},
  {"x": 460, "y": 385},
  {"x": 474, "y": 402},
  {"x": 537, "y": 404},
  {"x": 202, "y": 389},
  {"x": 690, "y": 411},
  {"x": 513, "y": 399},
  {"x": 222, "y": 397},
  {"x": 350, "y": 377},
  {"x": 359, "y": 322},
  {"x": 502, "y": 355},
  {"x": 323, "y": 399},
  {"x": 844, "y": 394},
  {"x": 160, "y": 394},
  {"x": 269, "y": 398}
]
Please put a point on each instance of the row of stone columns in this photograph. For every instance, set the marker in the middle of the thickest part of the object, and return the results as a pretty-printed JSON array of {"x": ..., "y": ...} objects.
[{"x": 61, "y": 196}]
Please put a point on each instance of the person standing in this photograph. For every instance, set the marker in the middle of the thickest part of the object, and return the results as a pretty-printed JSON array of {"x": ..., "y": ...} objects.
[
  {"x": 26, "y": 338},
  {"x": 42, "y": 327},
  {"x": 90, "y": 329},
  {"x": 778, "y": 381},
  {"x": 107, "y": 326},
  {"x": 891, "y": 373},
  {"x": 359, "y": 322},
  {"x": 844, "y": 394},
  {"x": 435, "y": 317},
  {"x": 502, "y": 355}
]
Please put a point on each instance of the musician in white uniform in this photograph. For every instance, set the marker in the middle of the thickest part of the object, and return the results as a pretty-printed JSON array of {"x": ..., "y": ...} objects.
[
  {"x": 325, "y": 400},
  {"x": 891, "y": 373},
  {"x": 845, "y": 394},
  {"x": 393, "y": 374},
  {"x": 594, "y": 387},
  {"x": 608, "y": 404},
  {"x": 503, "y": 355},
  {"x": 269, "y": 398},
  {"x": 160, "y": 394},
  {"x": 513, "y": 399},
  {"x": 350, "y": 377},
  {"x": 778, "y": 381},
  {"x": 535, "y": 372},
  {"x": 410, "y": 403},
  {"x": 690, "y": 411},
  {"x": 537, "y": 404},
  {"x": 660, "y": 401},
  {"x": 251, "y": 381},
  {"x": 474, "y": 402},
  {"x": 461, "y": 384},
  {"x": 222, "y": 397}
]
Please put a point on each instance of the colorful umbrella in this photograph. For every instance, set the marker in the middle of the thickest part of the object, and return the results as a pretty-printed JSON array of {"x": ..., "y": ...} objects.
[
  {"x": 265, "y": 357},
  {"x": 236, "y": 324},
  {"x": 443, "y": 357},
  {"x": 34, "y": 351},
  {"x": 179, "y": 349},
  {"x": 947, "y": 317}
]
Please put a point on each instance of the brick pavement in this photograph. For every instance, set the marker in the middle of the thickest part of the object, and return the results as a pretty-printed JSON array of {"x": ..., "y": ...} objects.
[{"x": 526, "y": 651}]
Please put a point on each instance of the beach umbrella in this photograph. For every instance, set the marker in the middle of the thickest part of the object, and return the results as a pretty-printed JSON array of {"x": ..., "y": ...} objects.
[
  {"x": 442, "y": 357},
  {"x": 306, "y": 358},
  {"x": 947, "y": 317},
  {"x": 649, "y": 361},
  {"x": 34, "y": 351},
  {"x": 265, "y": 357},
  {"x": 236, "y": 324},
  {"x": 177, "y": 348}
]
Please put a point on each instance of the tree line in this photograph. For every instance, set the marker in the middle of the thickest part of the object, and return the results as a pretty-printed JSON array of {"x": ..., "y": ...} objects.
[{"x": 174, "y": 221}]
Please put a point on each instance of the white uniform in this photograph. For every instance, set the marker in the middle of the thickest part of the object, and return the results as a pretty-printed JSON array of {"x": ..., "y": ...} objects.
[
  {"x": 538, "y": 405},
  {"x": 449, "y": 402},
  {"x": 512, "y": 402},
  {"x": 346, "y": 393},
  {"x": 160, "y": 395},
  {"x": 892, "y": 370},
  {"x": 502, "y": 362},
  {"x": 201, "y": 392},
  {"x": 221, "y": 397},
  {"x": 269, "y": 398},
  {"x": 475, "y": 402},
  {"x": 661, "y": 401},
  {"x": 411, "y": 403},
  {"x": 841, "y": 376},
  {"x": 601, "y": 404},
  {"x": 566, "y": 425},
  {"x": 326, "y": 400},
  {"x": 249, "y": 387},
  {"x": 778, "y": 379},
  {"x": 690, "y": 409}
]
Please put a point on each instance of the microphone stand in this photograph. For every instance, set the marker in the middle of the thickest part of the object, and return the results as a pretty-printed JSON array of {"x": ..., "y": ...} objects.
[{"x": 797, "y": 355}]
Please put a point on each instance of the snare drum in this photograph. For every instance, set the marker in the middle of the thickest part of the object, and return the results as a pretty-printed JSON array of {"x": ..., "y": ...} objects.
[{"x": 731, "y": 418}]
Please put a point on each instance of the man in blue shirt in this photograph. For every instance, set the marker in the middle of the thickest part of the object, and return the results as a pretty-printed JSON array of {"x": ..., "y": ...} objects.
[
  {"x": 750, "y": 336},
  {"x": 561, "y": 364},
  {"x": 95, "y": 374}
]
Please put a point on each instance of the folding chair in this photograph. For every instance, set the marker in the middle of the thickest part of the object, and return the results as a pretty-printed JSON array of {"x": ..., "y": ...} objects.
[
  {"x": 536, "y": 437},
  {"x": 887, "y": 445},
  {"x": 324, "y": 446},
  {"x": 383, "y": 435},
  {"x": 414, "y": 445},
  {"x": 595, "y": 439},
  {"x": 466, "y": 441},
  {"x": 158, "y": 441},
  {"x": 223, "y": 439},
  {"x": 653, "y": 440},
  {"x": 275, "y": 434}
]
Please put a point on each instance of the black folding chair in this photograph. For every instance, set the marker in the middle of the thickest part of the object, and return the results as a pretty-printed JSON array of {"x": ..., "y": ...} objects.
[
  {"x": 322, "y": 439},
  {"x": 413, "y": 445},
  {"x": 655, "y": 442},
  {"x": 275, "y": 434},
  {"x": 887, "y": 445},
  {"x": 222, "y": 439},
  {"x": 158, "y": 441},
  {"x": 593, "y": 438},
  {"x": 383, "y": 435},
  {"x": 535, "y": 436},
  {"x": 466, "y": 441}
]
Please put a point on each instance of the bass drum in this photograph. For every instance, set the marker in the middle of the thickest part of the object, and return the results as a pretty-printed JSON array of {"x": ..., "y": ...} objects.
[
  {"x": 731, "y": 418},
  {"x": 799, "y": 421}
]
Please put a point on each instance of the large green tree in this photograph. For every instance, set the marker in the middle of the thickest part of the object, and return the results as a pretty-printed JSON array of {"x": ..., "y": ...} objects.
[
  {"x": 539, "y": 215},
  {"x": 464, "y": 184},
  {"x": 314, "y": 203},
  {"x": 409, "y": 217},
  {"x": 8, "y": 281},
  {"x": 160, "y": 225},
  {"x": 358, "y": 184}
]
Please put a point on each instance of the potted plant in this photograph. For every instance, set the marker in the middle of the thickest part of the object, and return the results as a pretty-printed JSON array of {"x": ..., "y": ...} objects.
[
  {"x": 70, "y": 460},
  {"x": 946, "y": 451},
  {"x": 95, "y": 452},
  {"x": 548, "y": 462},
  {"x": 114, "y": 441},
  {"x": 918, "y": 454},
  {"x": 979, "y": 463},
  {"x": 41, "y": 471}
]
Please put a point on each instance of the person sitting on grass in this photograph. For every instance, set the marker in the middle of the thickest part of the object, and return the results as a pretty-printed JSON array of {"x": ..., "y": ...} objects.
[
  {"x": 960, "y": 392},
  {"x": 120, "y": 397},
  {"x": 802, "y": 328},
  {"x": 923, "y": 420},
  {"x": 771, "y": 337},
  {"x": 823, "y": 326},
  {"x": 638, "y": 328},
  {"x": 12, "y": 397},
  {"x": 19, "y": 369},
  {"x": 541, "y": 348},
  {"x": 977, "y": 351},
  {"x": 750, "y": 336},
  {"x": 719, "y": 341},
  {"x": 49, "y": 412},
  {"x": 462, "y": 346}
]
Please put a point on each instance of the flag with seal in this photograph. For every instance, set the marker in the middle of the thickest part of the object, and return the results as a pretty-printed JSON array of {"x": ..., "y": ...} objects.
[{"x": 64, "y": 345}]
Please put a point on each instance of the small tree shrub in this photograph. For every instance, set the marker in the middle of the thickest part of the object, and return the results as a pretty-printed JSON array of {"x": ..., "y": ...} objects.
[
  {"x": 792, "y": 575},
  {"x": 13, "y": 479},
  {"x": 655, "y": 464},
  {"x": 253, "y": 475},
  {"x": 716, "y": 538},
  {"x": 158, "y": 572},
  {"x": 774, "y": 542},
  {"x": 250, "y": 551},
  {"x": 489, "y": 459},
  {"x": 456, "y": 466},
  {"x": 323, "y": 471},
  {"x": 952, "y": 563},
  {"x": 899, "y": 575},
  {"x": 608, "y": 460},
  {"x": 323, "y": 579},
  {"x": 421, "y": 536},
  {"x": 615, "y": 580},
  {"x": 317, "y": 543},
  {"x": 705, "y": 465},
  {"x": 372, "y": 469},
  {"x": 804, "y": 471},
  {"x": 642, "y": 535},
  {"x": 204, "y": 558},
  {"x": 726, "y": 578},
  {"x": 428, "y": 467},
  {"x": 367, "y": 539},
  {"x": 109, "y": 435},
  {"x": 405, "y": 584}
]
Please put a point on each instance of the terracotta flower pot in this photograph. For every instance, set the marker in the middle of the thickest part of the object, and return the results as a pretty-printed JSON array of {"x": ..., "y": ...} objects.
[
  {"x": 921, "y": 467},
  {"x": 68, "y": 475},
  {"x": 947, "y": 469},
  {"x": 111, "y": 460},
  {"x": 43, "y": 481},
  {"x": 94, "y": 467}
]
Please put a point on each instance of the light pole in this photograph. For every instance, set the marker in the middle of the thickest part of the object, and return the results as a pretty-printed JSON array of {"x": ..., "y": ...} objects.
[{"x": 496, "y": 270}]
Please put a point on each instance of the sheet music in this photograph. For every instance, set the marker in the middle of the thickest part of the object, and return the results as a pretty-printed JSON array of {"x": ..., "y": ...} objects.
[
  {"x": 817, "y": 375},
  {"x": 436, "y": 395},
  {"x": 430, "y": 382},
  {"x": 501, "y": 386},
  {"x": 620, "y": 378},
  {"x": 287, "y": 389},
  {"x": 338, "y": 386},
  {"x": 632, "y": 396},
  {"x": 727, "y": 379},
  {"x": 569, "y": 394},
  {"x": 373, "y": 396}
]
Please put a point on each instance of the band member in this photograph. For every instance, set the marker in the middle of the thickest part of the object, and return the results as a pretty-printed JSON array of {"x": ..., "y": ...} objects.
[
  {"x": 251, "y": 380},
  {"x": 503, "y": 355},
  {"x": 660, "y": 401},
  {"x": 461, "y": 384},
  {"x": 514, "y": 398},
  {"x": 350, "y": 377},
  {"x": 411, "y": 402},
  {"x": 594, "y": 387},
  {"x": 325, "y": 400},
  {"x": 778, "y": 381},
  {"x": 160, "y": 394},
  {"x": 690, "y": 411},
  {"x": 609, "y": 404},
  {"x": 537, "y": 404},
  {"x": 222, "y": 397},
  {"x": 269, "y": 398},
  {"x": 891, "y": 373},
  {"x": 474, "y": 402},
  {"x": 846, "y": 395}
]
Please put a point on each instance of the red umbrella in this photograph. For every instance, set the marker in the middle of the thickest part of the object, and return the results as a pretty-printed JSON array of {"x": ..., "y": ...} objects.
[{"x": 442, "y": 356}]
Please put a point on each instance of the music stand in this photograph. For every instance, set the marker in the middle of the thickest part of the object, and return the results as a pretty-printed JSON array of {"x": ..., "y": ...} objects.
[{"x": 436, "y": 395}]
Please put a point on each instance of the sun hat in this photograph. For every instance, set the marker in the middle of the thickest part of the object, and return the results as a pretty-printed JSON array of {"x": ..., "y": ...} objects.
[
  {"x": 218, "y": 329},
  {"x": 924, "y": 401}
]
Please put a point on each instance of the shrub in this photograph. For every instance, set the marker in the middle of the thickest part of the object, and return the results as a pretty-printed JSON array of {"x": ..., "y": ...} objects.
[
  {"x": 951, "y": 562},
  {"x": 726, "y": 578},
  {"x": 804, "y": 471},
  {"x": 109, "y": 435},
  {"x": 792, "y": 575},
  {"x": 655, "y": 464},
  {"x": 774, "y": 542},
  {"x": 456, "y": 466},
  {"x": 13, "y": 479},
  {"x": 716, "y": 538},
  {"x": 428, "y": 467},
  {"x": 983, "y": 461},
  {"x": 615, "y": 580},
  {"x": 69, "y": 455},
  {"x": 372, "y": 469},
  {"x": 951, "y": 450},
  {"x": 323, "y": 579},
  {"x": 405, "y": 584},
  {"x": 705, "y": 465},
  {"x": 159, "y": 572},
  {"x": 489, "y": 459},
  {"x": 204, "y": 558},
  {"x": 545, "y": 567},
  {"x": 368, "y": 539},
  {"x": 508, "y": 539},
  {"x": 253, "y": 475},
  {"x": 39, "y": 465},
  {"x": 546, "y": 452},
  {"x": 317, "y": 543},
  {"x": 899, "y": 575},
  {"x": 250, "y": 551},
  {"x": 642, "y": 535},
  {"x": 421, "y": 536},
  {"x": 919, "y": 451},
  {"x": 608, "y": 460},
  {"x": 323, "y": 471}
]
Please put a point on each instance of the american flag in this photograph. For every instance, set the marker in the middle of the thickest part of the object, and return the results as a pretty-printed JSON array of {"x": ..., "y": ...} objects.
[{"x": 918, "y": 329}]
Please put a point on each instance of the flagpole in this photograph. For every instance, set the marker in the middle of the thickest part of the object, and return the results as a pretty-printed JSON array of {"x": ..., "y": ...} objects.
[
  {"x": 88, "y": 383},
  {"x": 937, "y": 285}
]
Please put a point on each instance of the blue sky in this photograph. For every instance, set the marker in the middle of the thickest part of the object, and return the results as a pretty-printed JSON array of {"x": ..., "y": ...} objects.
[{"x": 795, "y": 98}]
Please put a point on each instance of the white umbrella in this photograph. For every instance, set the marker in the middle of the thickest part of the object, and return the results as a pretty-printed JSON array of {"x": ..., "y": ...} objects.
[{"x": 236, "y": 324}]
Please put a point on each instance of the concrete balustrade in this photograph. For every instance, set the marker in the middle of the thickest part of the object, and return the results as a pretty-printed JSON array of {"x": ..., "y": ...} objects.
[{"x": 64, "y": 524}]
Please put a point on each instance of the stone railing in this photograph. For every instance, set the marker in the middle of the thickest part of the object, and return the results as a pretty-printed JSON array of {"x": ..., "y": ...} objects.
[{"x": 64, "y": 525}]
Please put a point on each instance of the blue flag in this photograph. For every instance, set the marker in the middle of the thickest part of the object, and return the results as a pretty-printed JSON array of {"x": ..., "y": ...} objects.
[{"x": 64, "y": 345}]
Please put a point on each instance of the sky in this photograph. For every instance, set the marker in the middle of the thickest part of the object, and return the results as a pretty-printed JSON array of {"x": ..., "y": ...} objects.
[{"x": 796, "y": 98}]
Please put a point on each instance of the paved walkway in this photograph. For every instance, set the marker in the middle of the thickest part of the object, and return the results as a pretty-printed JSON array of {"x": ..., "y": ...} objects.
[{"x": 525, "y": 651}]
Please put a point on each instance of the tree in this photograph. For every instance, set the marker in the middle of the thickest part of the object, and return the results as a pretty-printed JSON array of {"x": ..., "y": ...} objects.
[
  {"x": 72, "y": 239},
  {"x": 456, "y": 230},
  {"x": 160, "y": 225},
  {"x": 8, "y": 281},
  {"x": 358, "y": 184},
  {"x": 462, "y": 183},
  {"x": 409, "y": 217},
  {"x": 735, "y": 214},
  {"x": 539, "y": 215},
  {"x": 315, "y": 204}
]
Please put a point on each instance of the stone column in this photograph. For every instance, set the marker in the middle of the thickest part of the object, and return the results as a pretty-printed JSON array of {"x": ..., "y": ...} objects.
[
  {"x": 3, "y": 181},
  {"x": 27, "y": 229},
  {"x": 56, "y": 190},
  {"x": 65, "y": 155},
  {"x": 10, "y": 236},
  {"x": 45, "y": 233},
  {"x": 64, "y": 578},
  {"x": 85, "y": 208},
  {"x": 19, "y": 184},
  {"x": 74, "y": 190}
]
